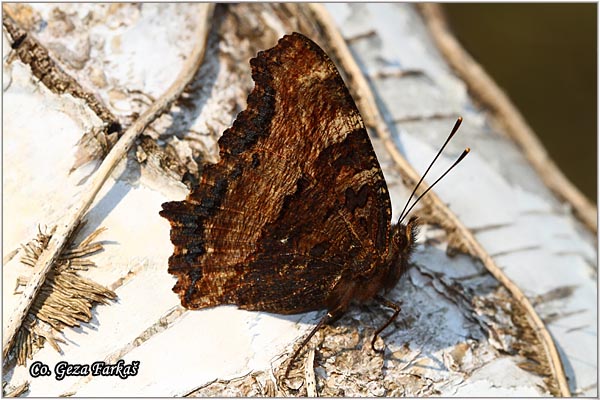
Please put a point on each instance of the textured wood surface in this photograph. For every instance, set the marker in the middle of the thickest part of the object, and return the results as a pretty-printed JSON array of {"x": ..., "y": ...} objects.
[
  {"x": 521, "y": 224},
  {"x": 456, "y": 334}
]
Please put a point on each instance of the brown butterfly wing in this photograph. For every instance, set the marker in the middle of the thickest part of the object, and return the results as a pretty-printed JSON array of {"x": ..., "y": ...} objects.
[{"x": 297, "y": 202}]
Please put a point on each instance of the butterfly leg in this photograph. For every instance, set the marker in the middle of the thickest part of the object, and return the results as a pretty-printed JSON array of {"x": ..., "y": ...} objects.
[
  {"x": 396, "y": 309},
  {"x": 326, "y": 318}
]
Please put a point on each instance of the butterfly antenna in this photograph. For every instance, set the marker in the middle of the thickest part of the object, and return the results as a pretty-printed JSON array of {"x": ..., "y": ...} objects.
[
  {"x": 452, "y": 133},
  {"x": 463, "y": 155}
]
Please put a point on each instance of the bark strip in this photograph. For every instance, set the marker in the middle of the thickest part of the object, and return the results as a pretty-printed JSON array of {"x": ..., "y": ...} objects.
[
  {"x": 66, "y": 227},
  {"x": 372, "y": 117},
  {"x": 483, "y": 87},
  {"x": 48, "y": 71}
]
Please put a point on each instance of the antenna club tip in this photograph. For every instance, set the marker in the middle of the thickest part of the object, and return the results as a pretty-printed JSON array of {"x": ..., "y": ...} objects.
[
  {"x": 459, "y": 119},
  {"x": 468, "y": 150}
]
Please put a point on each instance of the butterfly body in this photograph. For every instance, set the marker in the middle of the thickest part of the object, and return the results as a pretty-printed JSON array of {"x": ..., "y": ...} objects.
[{"x": 296, "y": 215}]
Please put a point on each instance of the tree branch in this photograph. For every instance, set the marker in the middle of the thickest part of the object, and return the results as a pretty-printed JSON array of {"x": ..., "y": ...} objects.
[{"x": 483, "y": 87}]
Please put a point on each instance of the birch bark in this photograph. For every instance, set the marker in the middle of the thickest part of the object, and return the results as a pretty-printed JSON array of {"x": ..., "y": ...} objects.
[{"x": 458, "y": 333}]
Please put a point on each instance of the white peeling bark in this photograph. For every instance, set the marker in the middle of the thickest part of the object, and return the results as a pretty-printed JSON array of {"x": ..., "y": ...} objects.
[
  {"x": 443, "y": 343},
  {"x": 527, "y": 231}
]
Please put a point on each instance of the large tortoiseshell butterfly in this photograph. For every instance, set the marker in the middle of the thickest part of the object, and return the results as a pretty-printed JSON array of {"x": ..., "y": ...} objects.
[{"x": 296, "y": 215}]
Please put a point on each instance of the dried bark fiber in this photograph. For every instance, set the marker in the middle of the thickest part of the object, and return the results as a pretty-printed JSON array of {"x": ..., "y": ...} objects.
[{"x": 460, "y": 331}]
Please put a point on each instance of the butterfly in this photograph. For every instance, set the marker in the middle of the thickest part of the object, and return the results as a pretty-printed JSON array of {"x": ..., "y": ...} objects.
[{"x": 296, "y": 215}]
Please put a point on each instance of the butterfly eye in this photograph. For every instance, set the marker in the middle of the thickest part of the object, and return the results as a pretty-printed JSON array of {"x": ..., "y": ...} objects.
[{"x": 399, "y": 236}]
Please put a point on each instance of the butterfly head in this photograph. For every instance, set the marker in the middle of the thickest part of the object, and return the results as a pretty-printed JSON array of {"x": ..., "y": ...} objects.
[
  {"x": 403, "y": 238},
  {"x": 402, "y": 245}
]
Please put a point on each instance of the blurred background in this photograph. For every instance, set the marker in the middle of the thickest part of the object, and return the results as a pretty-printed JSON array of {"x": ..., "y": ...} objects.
[{"x": 545, "y": 57}]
